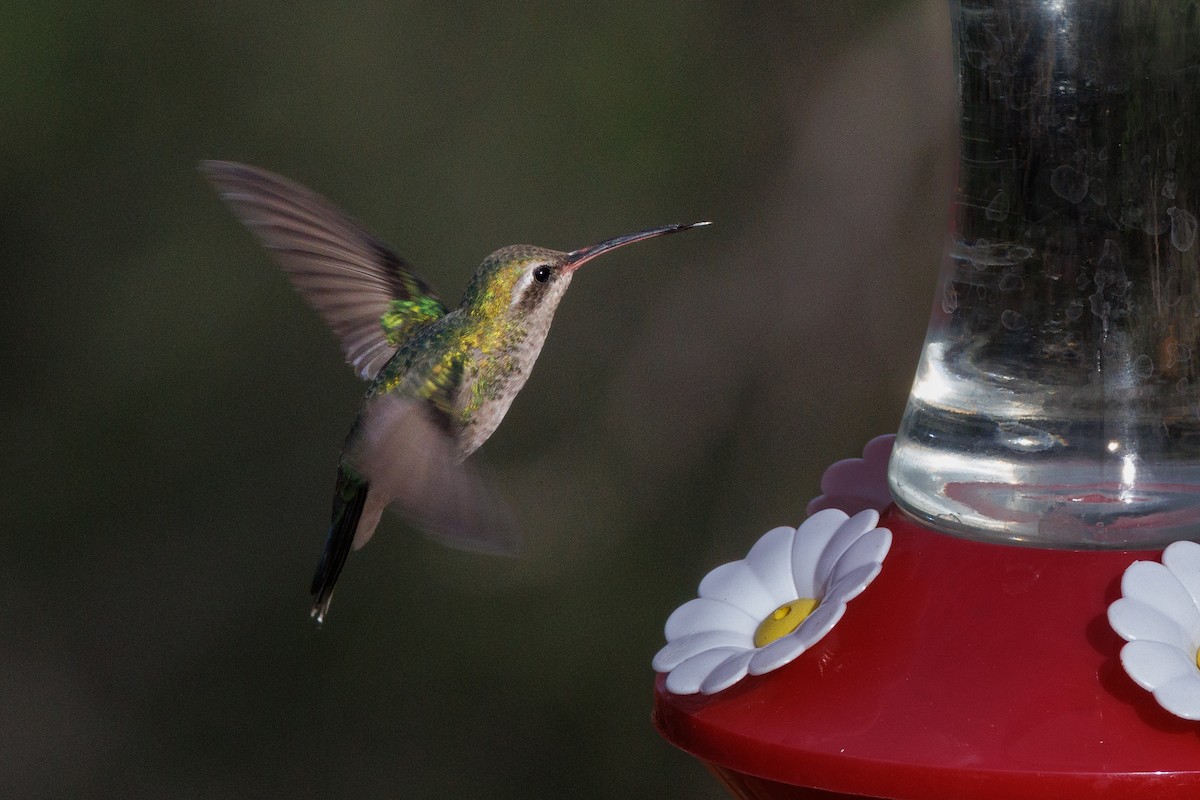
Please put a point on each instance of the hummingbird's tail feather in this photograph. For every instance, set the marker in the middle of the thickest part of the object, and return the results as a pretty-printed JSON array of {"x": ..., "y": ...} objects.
[
  {"x": 349, "y": 498},
  {"x": 414, "y": 466}
]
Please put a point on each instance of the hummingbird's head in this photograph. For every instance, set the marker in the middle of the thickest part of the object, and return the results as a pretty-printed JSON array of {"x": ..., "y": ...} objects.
[
  {"x": 524, "y": 282},
  {"x": 518, "y": 282}
]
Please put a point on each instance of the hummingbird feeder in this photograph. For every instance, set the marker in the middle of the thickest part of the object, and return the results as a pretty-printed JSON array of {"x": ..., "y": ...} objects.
[{"x": 1003, "y": 600}]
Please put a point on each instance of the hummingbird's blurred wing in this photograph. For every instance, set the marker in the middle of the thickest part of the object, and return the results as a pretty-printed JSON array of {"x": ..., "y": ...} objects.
[
  {"x": 403, "y": 447},
  {"x": 366, "y": 293}
]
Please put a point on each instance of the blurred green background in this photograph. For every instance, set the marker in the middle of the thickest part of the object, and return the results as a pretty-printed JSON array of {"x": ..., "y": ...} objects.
[{"x": 174, "y": 411}]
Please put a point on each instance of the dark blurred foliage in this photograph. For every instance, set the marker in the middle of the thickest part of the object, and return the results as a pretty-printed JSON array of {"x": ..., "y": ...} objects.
[{"x": 174, "y": 411}]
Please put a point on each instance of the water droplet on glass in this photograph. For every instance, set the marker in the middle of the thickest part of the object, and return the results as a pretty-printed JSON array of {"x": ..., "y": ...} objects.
[
  {"x": 1011, "y": 283},
  {"x": 1183, "y": 228},
  {"x": 1019, "y": 253},
  {"x": 1013, "y": 320},
  {"x": 1143, "y": 366},
  {"x": 1069, "y": 183},
  {"x": 1171, "y": 291},
  {"x": 997, "y": 210},
  {"x": 949, "y": 298}
]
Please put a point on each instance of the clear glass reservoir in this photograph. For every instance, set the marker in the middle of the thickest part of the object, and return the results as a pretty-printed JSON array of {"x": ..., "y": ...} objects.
[{"x": 1057, "y": 401}]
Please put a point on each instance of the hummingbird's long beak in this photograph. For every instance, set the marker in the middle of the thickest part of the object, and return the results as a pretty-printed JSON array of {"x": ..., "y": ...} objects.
[{"x": 577, "y": 258}]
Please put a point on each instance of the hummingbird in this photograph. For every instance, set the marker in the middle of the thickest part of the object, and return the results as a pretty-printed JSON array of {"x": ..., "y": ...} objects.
[{"x": 441, "y": 379}]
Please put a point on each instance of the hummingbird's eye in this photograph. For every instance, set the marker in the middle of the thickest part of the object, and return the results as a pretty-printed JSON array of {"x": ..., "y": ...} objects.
[{"x": 541, "y": 274}]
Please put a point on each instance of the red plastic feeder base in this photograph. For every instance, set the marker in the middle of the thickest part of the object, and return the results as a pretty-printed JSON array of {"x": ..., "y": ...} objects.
[{"x": 966, "y": 670}]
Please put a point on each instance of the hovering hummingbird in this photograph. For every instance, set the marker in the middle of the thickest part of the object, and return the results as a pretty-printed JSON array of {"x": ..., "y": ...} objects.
[{"x": 441, "y": 379}]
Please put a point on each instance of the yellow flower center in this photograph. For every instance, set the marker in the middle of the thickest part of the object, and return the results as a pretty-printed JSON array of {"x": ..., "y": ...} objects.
[{"x": 784, "y": 620}]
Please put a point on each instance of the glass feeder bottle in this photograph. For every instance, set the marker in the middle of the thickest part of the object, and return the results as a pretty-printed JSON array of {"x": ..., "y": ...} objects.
[{"x": 1057, "y": 400}]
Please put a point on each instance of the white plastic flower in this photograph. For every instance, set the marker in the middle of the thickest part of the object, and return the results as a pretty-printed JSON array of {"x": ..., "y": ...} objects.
[
  {"x": 1158, "y": 614},
  {"x": 759, "y": 613}
]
